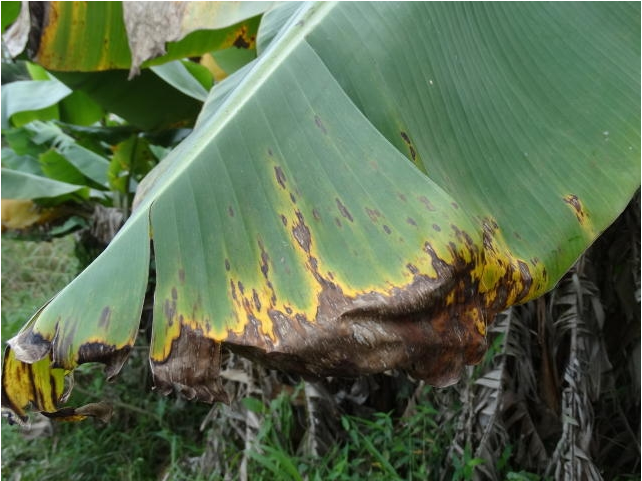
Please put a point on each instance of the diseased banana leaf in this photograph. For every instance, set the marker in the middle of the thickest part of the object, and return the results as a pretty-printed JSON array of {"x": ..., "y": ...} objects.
[
  {"x": 366, "y": 195},
  {"x": 97, "y": 36}
]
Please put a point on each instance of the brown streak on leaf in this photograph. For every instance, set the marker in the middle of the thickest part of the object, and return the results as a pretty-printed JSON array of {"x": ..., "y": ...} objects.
[
  {"x": 280, "y": 176},
  {"x": 526, "y": 279},
  {"x": 373, "y": 214},
  {"x": 169, "y": 309},
  {"x": 302, "y": 233},
  {"x": 406, "y": 139},
  {"x": 344, "y": 211},
  {"x": 257, "y": 301},
  {"x": 240, "y": 41},
  {"x": 424, "y": 200},
  {"x": 265, "y": 259},
  {"x": 319, "y": 123},
  {"x": 578, "y": 209}
]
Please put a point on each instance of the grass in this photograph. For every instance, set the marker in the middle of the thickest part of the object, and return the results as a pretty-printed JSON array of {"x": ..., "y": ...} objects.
[{"x": 32, "y": 272}]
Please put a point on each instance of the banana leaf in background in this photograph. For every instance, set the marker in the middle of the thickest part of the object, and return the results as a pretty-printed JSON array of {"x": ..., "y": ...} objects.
[
  {"x": 153, "y": 108},
  {"x": 365, "y": 196}
]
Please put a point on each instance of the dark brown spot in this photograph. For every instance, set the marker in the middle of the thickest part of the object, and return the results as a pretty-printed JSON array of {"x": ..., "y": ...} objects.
[
  {"x": 257, "y": 301},
  {"x": 412, "y": 268},
  {"x": 264, "y": 260},
  {"x": 270, "y": 152},
  {"x": 489, "y": 226},
  {"x": 105, "y": 316},
  {"x": 302, "y": 233},
  {"x": 411, "y": 221},
  {"x": 169, "y": 309},
  {"x": 284, "y": 220},
  {"x": 527, "y": 280},
  {"x": 280, "y": 176},
  {"x": 516, "y": 234},
  {"x": 230, "y": 211},
  {"x": 386, "y": 229},
  {"x": 344, "y": 211},
  {"x": 315, "y": 214},
  {"x": 227, "y": 264},
  {"x": 406, "y": 139},
  {"x": 181, "y": 276},
  {"x": 240, "y": 42},
  {"x": 436, "y": 227},
  {"x": 576, "y": 204},
  {"x": 454, "y": 204},
  {"x": 317, "y": 120},
  {"x": 233, "y": 289},
  {"x": 337, "y": 221},
  {"x": 174, "y": 293},
  {"x": 402, "y": 196},
  {"x": 181, "y": 318},
  {"x": 241, "y": 287},
  {"x": 292, "y": 198},
  {"x": 374, "y": 214},
  {"x": 273, "y": 296},
  {"x": 424, "y": 200}
]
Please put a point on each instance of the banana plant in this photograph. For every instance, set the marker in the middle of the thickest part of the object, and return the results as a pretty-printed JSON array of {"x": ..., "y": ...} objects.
[{"x": 367, "y": 194}]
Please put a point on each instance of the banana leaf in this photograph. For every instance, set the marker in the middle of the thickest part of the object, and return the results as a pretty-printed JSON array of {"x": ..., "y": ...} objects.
[{"x": 364, "y": 196}]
